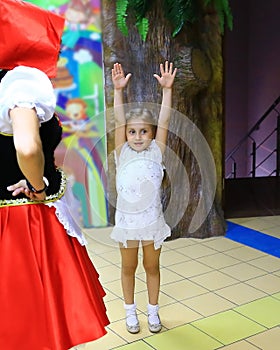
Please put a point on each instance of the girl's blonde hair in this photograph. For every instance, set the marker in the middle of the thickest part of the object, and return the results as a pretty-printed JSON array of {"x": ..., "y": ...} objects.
[{"x": 144, "y": 114}]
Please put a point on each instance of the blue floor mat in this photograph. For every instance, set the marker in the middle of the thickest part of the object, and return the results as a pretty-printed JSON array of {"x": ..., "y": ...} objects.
[{"x": 254, "y": 239}]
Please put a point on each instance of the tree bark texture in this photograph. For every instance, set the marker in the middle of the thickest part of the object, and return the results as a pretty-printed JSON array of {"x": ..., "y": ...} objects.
[{"x": 197, "y": 105}]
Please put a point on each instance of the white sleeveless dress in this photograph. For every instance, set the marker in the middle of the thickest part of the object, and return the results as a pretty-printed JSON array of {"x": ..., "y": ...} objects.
[{"x": 139, "y": 214}]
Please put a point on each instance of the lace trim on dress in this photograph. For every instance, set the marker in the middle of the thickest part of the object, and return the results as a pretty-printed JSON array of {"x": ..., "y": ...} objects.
[{"x": 67, "y": 210}]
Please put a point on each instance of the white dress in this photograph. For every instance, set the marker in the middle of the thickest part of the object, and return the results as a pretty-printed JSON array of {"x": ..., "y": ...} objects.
[{"x": 139, "y": 214}]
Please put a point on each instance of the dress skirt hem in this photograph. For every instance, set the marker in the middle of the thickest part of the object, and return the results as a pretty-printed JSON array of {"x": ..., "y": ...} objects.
[
  {"x": 156, "y": 232},
  {"x": 50, "y": 294}
]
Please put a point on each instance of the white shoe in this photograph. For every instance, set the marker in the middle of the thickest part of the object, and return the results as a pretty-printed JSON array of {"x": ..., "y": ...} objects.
[
  {"x": 132, "y": 323},
  {"x": 154, "y": 322}
]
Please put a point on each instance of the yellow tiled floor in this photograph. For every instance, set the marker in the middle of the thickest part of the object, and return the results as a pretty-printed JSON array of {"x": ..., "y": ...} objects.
[{"x": 215, "y": 294}]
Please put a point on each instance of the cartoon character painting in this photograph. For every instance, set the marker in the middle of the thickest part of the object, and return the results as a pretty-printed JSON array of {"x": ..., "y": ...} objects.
[
  {"x": 80, "y": 104},
  {"x": 79, "y": 13}
]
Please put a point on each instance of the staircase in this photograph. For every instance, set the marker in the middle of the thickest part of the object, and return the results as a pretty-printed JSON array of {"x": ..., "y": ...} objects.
[{"x": 257, "y": 193}]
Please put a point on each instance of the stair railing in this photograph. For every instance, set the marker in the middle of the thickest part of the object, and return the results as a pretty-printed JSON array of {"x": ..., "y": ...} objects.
[{"x": 255, "y": 147}]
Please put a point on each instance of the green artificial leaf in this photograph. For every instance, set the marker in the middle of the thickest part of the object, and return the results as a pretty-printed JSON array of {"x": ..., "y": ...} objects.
[
  {"x": 143, "y": 28},
  {"x": 140, "y": 7},
  {"x": 136, "y": 7},
  {"x": 121, "y": 15},
  {"x": 179, "y": 12},
  {"x": 224, "y": 13}
]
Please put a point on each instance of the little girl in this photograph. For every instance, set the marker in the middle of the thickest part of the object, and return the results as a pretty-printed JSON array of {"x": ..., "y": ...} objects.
[{"x": 139, "y": 145}]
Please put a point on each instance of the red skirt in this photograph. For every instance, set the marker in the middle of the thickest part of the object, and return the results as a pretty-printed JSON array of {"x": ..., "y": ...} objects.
[{"x": 50, "y": 295}]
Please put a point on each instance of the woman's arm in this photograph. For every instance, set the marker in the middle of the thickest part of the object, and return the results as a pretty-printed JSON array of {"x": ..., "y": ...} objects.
[
  {"x": 29, "y": 151},
  {"x": 120, "y": 81},
  {"x": 166, "y": 81}
]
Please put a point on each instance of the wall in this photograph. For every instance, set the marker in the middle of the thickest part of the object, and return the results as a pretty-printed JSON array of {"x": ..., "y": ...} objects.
[{"x": 252, "y": 78}]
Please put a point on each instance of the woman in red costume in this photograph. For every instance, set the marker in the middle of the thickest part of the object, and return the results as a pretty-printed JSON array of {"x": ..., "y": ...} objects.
[{"x": 50, "y": 295}]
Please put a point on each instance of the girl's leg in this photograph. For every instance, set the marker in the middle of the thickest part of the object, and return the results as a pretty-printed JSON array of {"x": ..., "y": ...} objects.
[
  {"x": 151, "y": 266},
  {"x": 129, "y": 264},
  {"x": 129, "y": 257}
]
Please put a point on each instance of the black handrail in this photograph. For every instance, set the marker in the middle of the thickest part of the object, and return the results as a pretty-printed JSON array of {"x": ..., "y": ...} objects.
[
  {"x": 255, "y": 127},
  {"x": 254, "y": 158},
  {"x": 278, "y": 147}
]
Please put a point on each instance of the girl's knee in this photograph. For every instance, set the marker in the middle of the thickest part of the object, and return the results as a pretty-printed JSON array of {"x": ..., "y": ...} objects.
[
  {"x": 129, "y": 269},
  {"x": 151, "y": 269}
]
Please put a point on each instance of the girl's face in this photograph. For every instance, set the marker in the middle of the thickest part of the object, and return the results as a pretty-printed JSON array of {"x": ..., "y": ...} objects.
[{"x": 139, "y": 134}]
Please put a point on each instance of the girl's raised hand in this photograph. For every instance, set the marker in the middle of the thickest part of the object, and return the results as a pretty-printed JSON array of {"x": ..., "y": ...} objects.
[
  {"x": 119, "y": 79},
  {"x": 167, "y": 75}
]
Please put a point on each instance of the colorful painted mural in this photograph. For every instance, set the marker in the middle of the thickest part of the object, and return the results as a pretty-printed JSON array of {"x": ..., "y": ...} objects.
[{"x": 80, "y": 104}]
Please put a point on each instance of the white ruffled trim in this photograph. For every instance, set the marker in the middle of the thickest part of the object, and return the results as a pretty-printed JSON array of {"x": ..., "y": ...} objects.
[
  {"x": 157, "y": 232},
  {"x": 26, "y": 87},
  {"x": 67, "y": 210}
]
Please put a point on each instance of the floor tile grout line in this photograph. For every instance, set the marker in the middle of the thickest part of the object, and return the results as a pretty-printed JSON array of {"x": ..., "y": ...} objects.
[
  {"x": 209, "y": 335},
  {"x": 244, "y": 338},
  {"x": 247, "y": 247},
  {"x": 257, "y": 289},
  {"x": 212, "y": 290},
  {"x": 235, "y": 302},
  {"x": 216, "y": 313},
  {"x": 127, "y": 342},
  {"x": 269, "y": 272},
  {"x": 117, "y": 296},
  {"x": 224, "y": 250},
  {"x": 250, "y": 319},
  {"x": 219, "y": 251},
  {"x": 213, "y": 269},
  {"x": 145, "y": 341},
  {"x": 216, "y": 269},
  {"x": 274, "y": 297},
  {"x": 236, "y": 342},
  {"x": 247, "y": 280},
  {"x": 203, "y": 317},
  {"x": 254, "y": 345},
  {"x": 261, "y": 290}
]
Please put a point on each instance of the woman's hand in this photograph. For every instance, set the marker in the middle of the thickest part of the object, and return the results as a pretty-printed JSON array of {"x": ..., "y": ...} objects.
[
  {"x": 21, "y": 187},
  {"x": 119, "y": 79},
  {"x": 167, "y": 75}
]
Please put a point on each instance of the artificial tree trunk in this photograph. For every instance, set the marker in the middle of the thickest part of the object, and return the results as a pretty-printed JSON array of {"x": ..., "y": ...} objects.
[{"x": 197, "y": 104}]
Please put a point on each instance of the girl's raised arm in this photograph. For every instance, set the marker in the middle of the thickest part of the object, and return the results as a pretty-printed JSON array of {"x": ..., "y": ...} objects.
[
  {"x": 166, "y": 81},
  {"x": 120, "y": 81}
]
